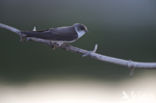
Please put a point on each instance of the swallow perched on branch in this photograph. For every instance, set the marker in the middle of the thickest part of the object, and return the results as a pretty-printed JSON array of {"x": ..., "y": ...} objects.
[{"x": 59, "y": 35}]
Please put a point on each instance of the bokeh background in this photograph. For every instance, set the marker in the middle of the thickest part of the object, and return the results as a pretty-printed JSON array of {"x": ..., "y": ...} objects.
[{"x": 122, "y": 28}]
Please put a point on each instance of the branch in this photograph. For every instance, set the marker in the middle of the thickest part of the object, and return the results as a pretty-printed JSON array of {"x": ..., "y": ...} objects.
[{"x": 92, "y": 54}]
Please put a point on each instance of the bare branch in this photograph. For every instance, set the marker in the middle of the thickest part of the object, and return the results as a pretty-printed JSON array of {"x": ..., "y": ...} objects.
[
  {"x": 34, "y": 29},
  {"x": 89, "y": 52},
  {"x": 92, "y": 54},
  {"x": 95, "y": 48},
  {"x": 17, "y": 31}
]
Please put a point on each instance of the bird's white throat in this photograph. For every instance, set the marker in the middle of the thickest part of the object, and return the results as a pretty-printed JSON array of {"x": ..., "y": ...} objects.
[{"x": 79, "y": 32}]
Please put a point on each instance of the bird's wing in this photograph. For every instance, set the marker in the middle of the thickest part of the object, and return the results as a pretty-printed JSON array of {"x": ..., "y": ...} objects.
[{"x": 60, "y": 33}]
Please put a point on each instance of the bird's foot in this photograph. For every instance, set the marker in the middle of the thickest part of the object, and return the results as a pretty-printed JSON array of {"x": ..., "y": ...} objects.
[
  {"x": 53, "y": 45},
  {"x": 22, "y": 38}
]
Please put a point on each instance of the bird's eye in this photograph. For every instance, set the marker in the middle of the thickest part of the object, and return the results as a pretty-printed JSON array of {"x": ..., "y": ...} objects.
[{"x": 81, "y": 28}]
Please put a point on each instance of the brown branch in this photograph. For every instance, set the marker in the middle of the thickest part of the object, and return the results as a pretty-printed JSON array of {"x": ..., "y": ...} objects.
[{"x": 92, "y": 54}]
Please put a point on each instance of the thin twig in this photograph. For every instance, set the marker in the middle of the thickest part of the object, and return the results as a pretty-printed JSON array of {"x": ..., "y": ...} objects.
[{"x": 92, "y": 54}]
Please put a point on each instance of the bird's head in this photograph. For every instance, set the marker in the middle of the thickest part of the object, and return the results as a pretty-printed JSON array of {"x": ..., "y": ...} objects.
[{"x": 81, "y": 29}]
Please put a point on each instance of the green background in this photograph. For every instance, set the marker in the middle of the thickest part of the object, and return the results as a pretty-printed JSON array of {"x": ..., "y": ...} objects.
[{"x": 122, "y": 28}]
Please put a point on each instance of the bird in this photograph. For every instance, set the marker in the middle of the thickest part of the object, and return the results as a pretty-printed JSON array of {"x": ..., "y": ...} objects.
[{"x": 59, "y": 35}]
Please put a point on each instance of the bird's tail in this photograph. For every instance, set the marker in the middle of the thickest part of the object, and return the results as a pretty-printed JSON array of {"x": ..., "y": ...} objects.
[{"x": 29, "y": 33}]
